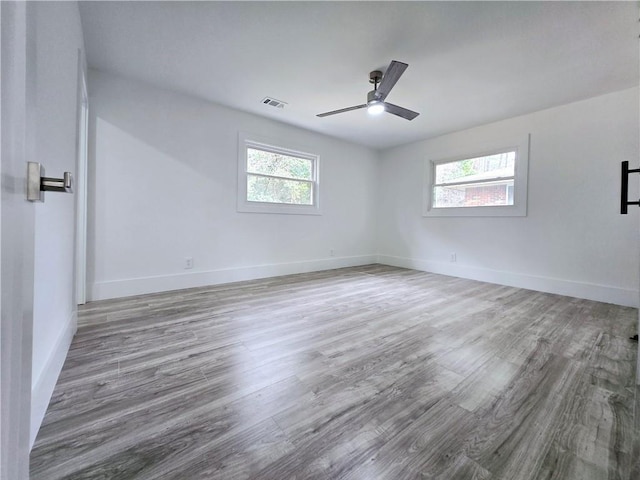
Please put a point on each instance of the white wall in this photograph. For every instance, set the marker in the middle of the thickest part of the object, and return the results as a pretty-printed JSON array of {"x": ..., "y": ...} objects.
[
  {"x": 162, "y": 187},
  {"x": 573, "y": 240},
  {"x": 59, "y": 39}
]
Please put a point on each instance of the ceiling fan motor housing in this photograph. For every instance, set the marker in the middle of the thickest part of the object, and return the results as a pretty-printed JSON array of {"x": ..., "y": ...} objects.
[{"x": 373, "y": 97}]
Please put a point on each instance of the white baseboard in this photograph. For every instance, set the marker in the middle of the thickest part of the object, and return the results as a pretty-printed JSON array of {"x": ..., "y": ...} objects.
[
  {"x": 139, "y": 286},
  {"x": 589, "y": 291},
  {"x": 43, "y": 387}
]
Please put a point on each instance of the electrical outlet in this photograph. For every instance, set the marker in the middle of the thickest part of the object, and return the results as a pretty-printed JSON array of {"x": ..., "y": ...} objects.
[
  {"x": 453, "y": 258},
  {"x": 188, "y": 263}
]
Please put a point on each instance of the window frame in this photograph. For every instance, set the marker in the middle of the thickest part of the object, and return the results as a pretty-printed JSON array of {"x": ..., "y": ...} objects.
[
  {"x": 247, "y": 141},
  {"x": 520, "y": 181}
]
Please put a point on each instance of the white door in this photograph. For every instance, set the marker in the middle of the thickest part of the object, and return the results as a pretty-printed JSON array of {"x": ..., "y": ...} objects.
[{"x": 16, "y": 236}]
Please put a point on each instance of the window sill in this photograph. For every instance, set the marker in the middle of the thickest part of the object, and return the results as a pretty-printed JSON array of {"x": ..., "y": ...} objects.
[
  {"x": 257, "y": 207},
  {"x": 506, "y": 211}
]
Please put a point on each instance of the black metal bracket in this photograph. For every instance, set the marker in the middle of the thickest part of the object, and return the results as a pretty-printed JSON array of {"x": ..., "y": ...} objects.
[
  {"x": 624, "y": 191},
  {"x": 634, "y": 338}
]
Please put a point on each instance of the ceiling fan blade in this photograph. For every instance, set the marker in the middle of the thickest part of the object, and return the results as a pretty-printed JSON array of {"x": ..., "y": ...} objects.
[
  {"x": 342, "y": 110},
  {"x": 390, "y": 77},
  {"x": 400, "y": 111}
]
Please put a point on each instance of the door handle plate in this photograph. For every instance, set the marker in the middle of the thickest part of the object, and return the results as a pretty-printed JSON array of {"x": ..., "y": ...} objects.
[{"x": 37, "y": 183}]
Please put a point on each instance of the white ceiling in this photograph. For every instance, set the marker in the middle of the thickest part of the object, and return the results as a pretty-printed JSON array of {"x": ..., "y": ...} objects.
[{"x": 469, "y": 62}]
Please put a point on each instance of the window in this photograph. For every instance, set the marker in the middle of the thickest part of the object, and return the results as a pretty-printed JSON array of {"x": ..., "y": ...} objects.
[
  {"x": 475, "y": 182},
  {"x": 274, "y": 179},
  {"x": 493, "y": 183}
]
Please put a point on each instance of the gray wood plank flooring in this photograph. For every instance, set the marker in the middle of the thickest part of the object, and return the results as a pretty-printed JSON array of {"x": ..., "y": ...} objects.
[{"x": 375, "y": 373}]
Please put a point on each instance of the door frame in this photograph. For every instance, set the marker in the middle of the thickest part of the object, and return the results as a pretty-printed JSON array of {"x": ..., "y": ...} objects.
[{"x": 81, "y": 184}]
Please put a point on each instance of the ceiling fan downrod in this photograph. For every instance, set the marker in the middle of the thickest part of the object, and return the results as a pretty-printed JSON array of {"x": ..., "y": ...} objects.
[{"x": 375, "y": 77}]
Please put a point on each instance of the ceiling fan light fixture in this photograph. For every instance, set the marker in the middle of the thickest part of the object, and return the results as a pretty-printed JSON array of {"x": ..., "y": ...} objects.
[{"x": 375, "y": 108}]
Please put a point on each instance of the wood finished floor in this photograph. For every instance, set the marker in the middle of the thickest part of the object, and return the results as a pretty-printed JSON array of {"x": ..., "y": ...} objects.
[{"x": 368, "y": 373}]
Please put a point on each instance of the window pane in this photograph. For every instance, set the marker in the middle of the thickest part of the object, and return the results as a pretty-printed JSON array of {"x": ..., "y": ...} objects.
[
  {"x": 468, "y": 170},
  {"x": 277, "y": 190},
  {"x": 474, "y": 195},
  {"x": 269, "y": 163}
]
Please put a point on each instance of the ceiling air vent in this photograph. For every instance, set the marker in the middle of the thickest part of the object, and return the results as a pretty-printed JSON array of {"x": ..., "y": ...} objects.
[{"x": 272, "y": 102}]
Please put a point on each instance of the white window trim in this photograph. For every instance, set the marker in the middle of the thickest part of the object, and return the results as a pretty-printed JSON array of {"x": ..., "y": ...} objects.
[
  {"x": 246, "y": 141},
  {"x": 519, "y": 207}
]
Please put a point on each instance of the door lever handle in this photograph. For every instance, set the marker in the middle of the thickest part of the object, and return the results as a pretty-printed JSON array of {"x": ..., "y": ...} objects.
[
  {"x": 64, "y": 184},
  {"x": 37, "y": 183}
]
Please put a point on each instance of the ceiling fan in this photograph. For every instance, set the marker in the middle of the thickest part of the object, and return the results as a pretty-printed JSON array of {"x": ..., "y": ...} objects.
[{"x": 375, "y": 98}]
